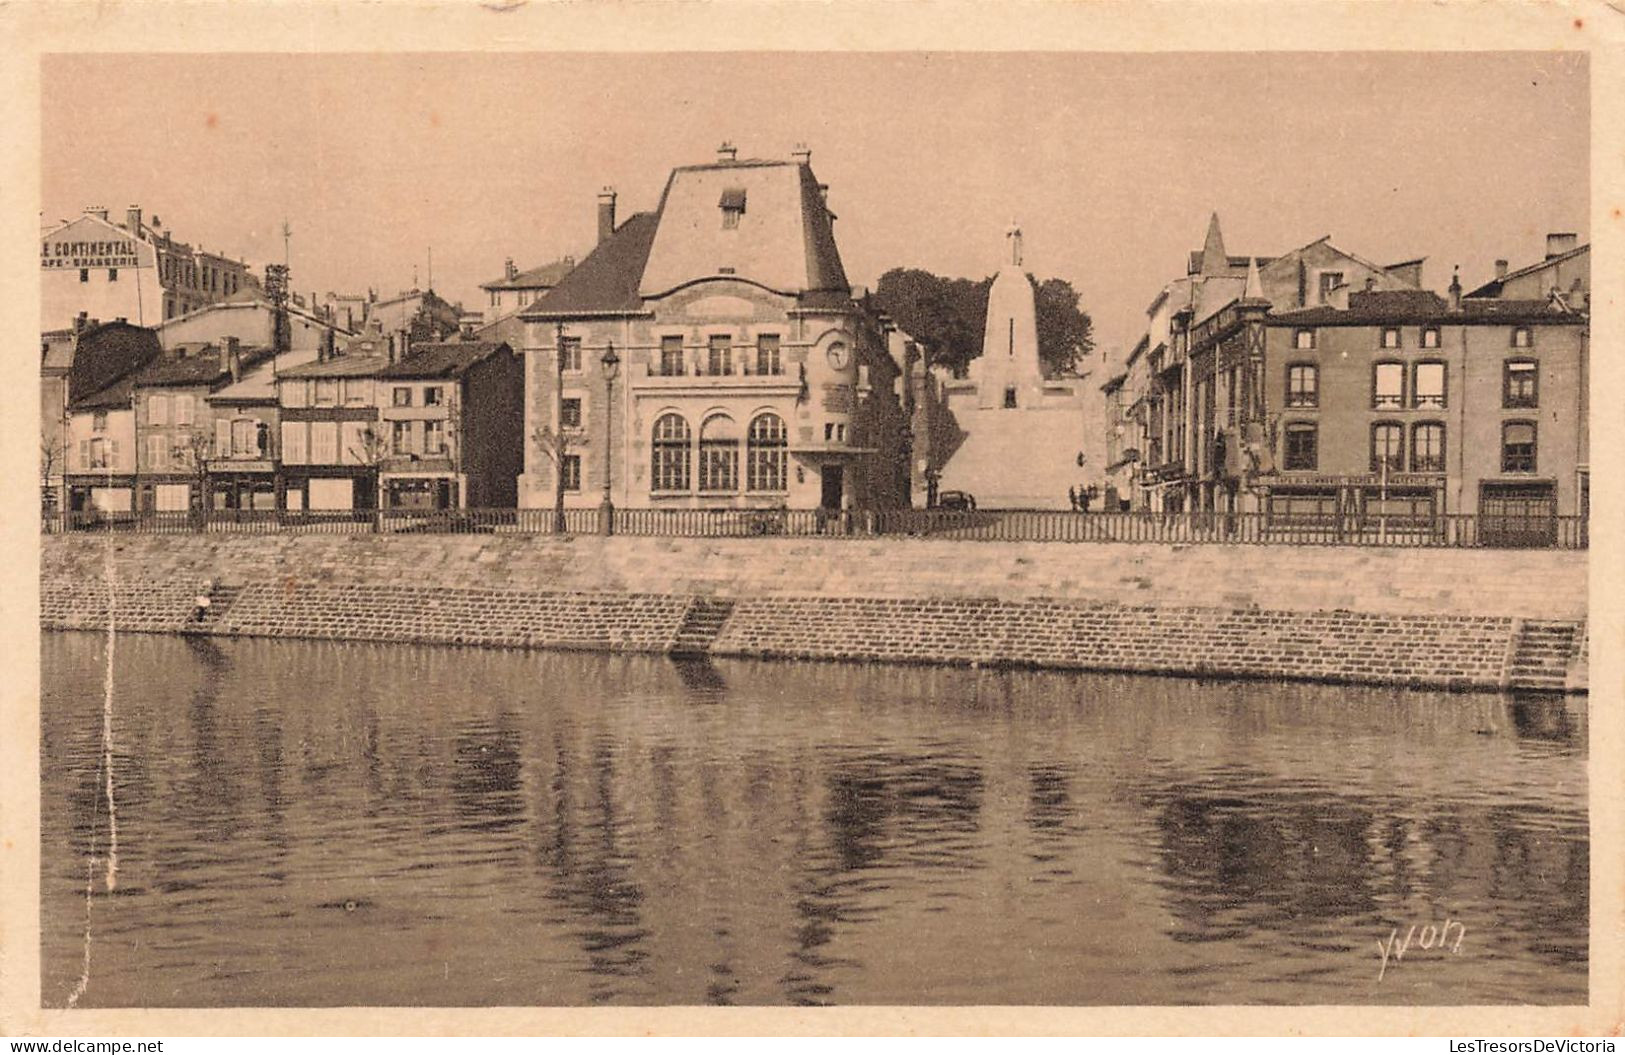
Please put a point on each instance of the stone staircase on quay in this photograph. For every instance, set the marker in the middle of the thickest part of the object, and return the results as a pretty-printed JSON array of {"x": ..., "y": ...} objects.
[
  {"x": 702, "y": 622},
  {"x": 221, "y": 599},
  {"x": 1542, "y": 654}
]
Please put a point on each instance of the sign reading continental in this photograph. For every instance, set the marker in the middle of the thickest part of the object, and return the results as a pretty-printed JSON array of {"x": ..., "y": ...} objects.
[{"x": 75, "y": 255}]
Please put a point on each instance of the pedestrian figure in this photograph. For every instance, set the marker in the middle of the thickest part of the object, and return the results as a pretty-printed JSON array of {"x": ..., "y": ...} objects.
[{"x": 200, "y": 605}]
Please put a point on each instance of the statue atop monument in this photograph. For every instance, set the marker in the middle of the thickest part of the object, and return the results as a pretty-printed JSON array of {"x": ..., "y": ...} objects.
[
  {"x": 1007, "y": 373},
  {"x": 1021, "y": 438}
]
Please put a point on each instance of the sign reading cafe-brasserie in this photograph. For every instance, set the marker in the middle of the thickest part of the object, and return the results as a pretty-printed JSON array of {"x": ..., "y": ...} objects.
[{"x": 118, "y": 253}]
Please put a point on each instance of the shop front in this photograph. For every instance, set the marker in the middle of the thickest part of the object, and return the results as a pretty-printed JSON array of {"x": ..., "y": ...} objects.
[
  {"x": 104, "y": 495},
  {"x": 427, "y": 492},
  {"x": 242, "y": 485},
  {"x": 1517, "y": 512},
  {"x": 1359, "y": 505},
  {"x": 330, "y": 490}
]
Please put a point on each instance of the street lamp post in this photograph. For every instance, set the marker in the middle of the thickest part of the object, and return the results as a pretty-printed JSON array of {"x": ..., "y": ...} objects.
[{"x": 611, "y": 364}]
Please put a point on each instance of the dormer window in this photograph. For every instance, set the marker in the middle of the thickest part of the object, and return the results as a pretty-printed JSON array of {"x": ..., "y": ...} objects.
[{"x": 733, "y": 207}]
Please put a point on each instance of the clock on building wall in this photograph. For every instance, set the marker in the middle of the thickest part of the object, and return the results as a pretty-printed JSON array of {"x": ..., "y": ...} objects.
[{"x": 839, "y": 355}]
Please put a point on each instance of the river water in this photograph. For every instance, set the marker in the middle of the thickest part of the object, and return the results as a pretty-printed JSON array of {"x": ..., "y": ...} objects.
[{"x": 341, "y": 824}]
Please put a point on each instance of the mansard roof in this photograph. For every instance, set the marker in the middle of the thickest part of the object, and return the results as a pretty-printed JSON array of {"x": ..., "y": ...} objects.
[{"x": 783, "y": 241}]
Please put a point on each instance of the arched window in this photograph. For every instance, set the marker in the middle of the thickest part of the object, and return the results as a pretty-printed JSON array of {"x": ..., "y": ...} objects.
[
  {"x": 1520, "y": 383},
  {"x": 1428, "y": 385},
  {"x": 1302, "y": 385},
  {"x": 1427, "y": 447},
  {"x": 719, "y": 454},
  {"x": 1388, "y": 447},
  {"x": 1387, "y": 386},
  {"x": 1300, "y": 447},
  {"x": 1518, "y": 447},
  {"x": 670, "y": 469},
  {"x": 766, "y": 448}
]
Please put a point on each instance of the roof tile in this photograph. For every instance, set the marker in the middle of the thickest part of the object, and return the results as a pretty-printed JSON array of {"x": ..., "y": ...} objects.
[
  {"x": 606, "y": 282},
  {"x": 441, "y": 360}
]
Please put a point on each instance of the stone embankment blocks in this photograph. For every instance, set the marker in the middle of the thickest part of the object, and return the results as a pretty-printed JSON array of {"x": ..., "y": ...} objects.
[{"x": 1418, "y": 617}]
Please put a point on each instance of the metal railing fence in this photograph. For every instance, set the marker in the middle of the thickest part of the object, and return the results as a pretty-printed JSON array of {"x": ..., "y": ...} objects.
[{"x": 1450, "y": 531}]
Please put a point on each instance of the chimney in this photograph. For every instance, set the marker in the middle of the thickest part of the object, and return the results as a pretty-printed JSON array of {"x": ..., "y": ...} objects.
[
  {"x": 823, "y": 193},
  {"x": 82, "y": 323},
  {"x": 1455, "y": 289},
  {"x": 1558, "y": 243},
  {"x": 234, "y": 359},
  {"x": 1500, "y": 270},
  {"x": 606, "y": 214},
  {"x": 508, "y": 270},
  {"x": 802, "y": 154},
  {"x": 1370, "y": 283},
  {"x": 132, "y": 220},
  {"x": 98, "y": 211},
  {"x": 727, "y": 151}
]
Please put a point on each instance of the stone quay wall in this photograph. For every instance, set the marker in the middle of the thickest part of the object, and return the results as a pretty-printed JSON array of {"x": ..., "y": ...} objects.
[{"x": 1447, "y": 618}]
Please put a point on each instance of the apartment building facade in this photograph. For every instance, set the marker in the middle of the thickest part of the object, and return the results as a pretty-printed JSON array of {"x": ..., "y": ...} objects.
[{"x": 743, "y": 373}]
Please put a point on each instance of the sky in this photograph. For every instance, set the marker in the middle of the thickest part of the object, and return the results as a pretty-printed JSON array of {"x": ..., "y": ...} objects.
[{"x": 1110, "y": 163}]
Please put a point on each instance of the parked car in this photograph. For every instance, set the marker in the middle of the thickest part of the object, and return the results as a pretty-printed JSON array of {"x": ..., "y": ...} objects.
[{"x": 957, "y": 501}]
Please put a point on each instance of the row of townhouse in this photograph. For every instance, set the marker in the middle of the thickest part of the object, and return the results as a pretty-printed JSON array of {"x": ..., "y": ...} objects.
[
  {"x": 1318, "y": 385},
  {"x": 709, "y": 353},
  {"x": 225, "y": 428}
]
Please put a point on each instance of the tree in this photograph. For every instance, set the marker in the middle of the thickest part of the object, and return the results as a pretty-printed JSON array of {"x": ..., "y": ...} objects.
[
  {"x": 371, "y": 448},
  {"x": 948, "y": 315},
  {"x": 557, "y": 443},
  {"x": 191, "y": 454},
  {"x": 1065, "y": 331},
  {"x": 53, "y": 458},
  {"x": 557, "y": 447},
  {"x": 945, "y": 315}
]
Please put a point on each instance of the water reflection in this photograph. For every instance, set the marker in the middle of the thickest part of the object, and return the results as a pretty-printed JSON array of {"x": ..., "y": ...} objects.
[
  {"x": 701, "y": 678},
  {"x": 485, "y": 782},
  {"x": 1541, "y": 716},
  {"x": 1238, "y": 860},
  {"x": 418, "y": 825}
]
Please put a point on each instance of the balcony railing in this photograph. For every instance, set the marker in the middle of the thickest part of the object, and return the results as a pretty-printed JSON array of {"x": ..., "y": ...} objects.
[
  {"x": 1307, "y": 528},
  {"x": 703, "y": 368}
]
